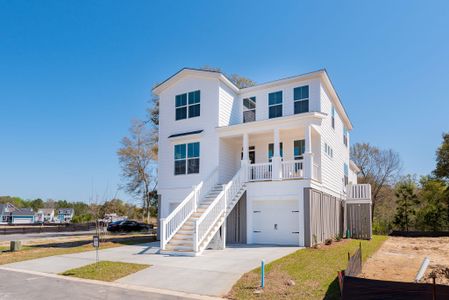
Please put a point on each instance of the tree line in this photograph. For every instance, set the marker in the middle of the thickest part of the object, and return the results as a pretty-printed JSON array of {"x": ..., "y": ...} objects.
[
  {"x": 405, "y": 202},
  {"x": 84, "y": 212}
]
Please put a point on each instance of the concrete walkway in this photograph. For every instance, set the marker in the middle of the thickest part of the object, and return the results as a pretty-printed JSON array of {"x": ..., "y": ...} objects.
[{"x": 214, "y": 273}]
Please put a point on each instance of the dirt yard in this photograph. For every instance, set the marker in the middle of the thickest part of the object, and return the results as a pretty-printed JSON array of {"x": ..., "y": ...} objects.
[{"x": 399, "y": 259}]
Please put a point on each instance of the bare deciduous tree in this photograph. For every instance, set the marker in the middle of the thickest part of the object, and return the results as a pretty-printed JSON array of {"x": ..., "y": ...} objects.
[
  {"x": 377, "y": 167},
  {"x": 137, "y": 160}
]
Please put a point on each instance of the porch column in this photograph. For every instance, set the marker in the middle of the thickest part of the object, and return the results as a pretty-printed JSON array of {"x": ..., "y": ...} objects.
[
  {"x": 308, "y": 155},
  {"x": 245, "y": 157},
  {"x": 276, "y": 159}
]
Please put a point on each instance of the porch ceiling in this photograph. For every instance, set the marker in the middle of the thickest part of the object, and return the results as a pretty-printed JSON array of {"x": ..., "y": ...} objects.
[{"x": 263, "y": 126}]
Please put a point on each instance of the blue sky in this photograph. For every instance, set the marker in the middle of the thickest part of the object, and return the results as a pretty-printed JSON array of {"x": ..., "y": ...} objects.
[{"x": 73, "y": 74}]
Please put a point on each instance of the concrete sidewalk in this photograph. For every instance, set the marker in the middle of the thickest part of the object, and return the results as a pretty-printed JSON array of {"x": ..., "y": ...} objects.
[{"x": 214, "y": 273}]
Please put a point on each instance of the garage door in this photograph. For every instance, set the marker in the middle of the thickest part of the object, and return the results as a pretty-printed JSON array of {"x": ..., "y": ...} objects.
[
  {"x": 22, "y": 220},
  {"x": 276, "y": 222}
]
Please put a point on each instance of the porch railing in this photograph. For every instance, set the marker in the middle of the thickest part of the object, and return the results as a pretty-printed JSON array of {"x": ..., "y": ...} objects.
[
  {"x": 263, "y": 171},
  {"x": 359, "y": 191},
  {"x": 292, "y": 169}
]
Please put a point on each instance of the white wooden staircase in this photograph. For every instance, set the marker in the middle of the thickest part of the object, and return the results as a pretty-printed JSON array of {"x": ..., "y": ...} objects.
[{"x": 189, "y": 229}]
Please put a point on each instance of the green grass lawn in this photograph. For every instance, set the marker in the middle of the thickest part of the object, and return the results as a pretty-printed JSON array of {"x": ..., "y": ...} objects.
[
  {"x": 105, "y": 270},
  {"x": 313, "y": 271},
  {"x": 58, "y": 248}
]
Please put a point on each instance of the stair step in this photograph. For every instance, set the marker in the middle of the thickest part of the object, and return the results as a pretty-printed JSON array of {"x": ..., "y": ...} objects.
[
  {"x": 178, "y": 248},
  {"x": 181, "y": 243}
]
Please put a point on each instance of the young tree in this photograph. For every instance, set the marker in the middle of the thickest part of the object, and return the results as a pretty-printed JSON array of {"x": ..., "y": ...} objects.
[
  {"x": 406, "y": 200},
  {"x": 137, "y": 160},
  {"x": 442, "y": 169},
  {"x": 379, "y": 168}
]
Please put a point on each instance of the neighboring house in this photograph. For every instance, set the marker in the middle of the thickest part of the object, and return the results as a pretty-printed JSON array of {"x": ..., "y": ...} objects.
[
  {"x": 65, "y": 215},
  {"x": 267, "y": 164},
  {"x": 5, "y": 213},
  {"x": 45, "y": 215},
  {"x": 9, "y": 214}
]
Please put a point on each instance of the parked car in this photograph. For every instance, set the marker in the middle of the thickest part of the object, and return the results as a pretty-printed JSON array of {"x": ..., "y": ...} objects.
[{"x": 127, "y": 226}]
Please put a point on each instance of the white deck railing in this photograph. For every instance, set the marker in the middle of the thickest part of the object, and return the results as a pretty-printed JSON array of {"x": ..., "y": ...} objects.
[
  {"x": 292, "y": 169},
  {"x": 174, "y": 221},
  {"x": 263, "y": 171},
  {"x": 359, "y": 192}
]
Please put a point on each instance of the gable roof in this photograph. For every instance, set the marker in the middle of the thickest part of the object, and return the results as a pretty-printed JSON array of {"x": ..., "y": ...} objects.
[
  {"x": 322, "y": 74},
  {"x": 184, "y": 72}
]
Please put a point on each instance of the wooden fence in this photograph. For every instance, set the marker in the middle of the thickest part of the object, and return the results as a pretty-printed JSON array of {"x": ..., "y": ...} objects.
[
  {"x": 355, "y": 288},
  {"x": 359, "y": 220},
  {"x": 323, "y": 217}
]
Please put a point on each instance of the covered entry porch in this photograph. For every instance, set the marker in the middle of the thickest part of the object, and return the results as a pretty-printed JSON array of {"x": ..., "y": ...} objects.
[{"x": 284, "y": 151}]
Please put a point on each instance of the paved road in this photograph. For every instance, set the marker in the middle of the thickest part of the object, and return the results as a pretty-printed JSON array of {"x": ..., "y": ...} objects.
[
  {"x": 22, "y": 286},
  {"x": 213, "y": 273},
  {"x": 43, "y": 235}
]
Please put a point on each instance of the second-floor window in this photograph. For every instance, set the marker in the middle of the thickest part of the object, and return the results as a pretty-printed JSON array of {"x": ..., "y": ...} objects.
[
  {"x": 188, "y": 105},
  {"x": 275, "y": 105},
  {"x": 271, "y": 151},
  {"x": 299, "y": 147},
  {"x": 328, "y": 150},
  {"x": 187, "y": 158},
  {"x": 333, "y": 117},
  {"x": 249, "y": 109},
  {"x": 346, "y": 173},
  {"x": 301, "y": 99},
  {"x": 345, "y": 136}
]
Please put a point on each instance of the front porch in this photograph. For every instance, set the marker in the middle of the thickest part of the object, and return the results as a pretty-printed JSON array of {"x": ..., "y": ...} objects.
[{"x": 280, "y": 153}]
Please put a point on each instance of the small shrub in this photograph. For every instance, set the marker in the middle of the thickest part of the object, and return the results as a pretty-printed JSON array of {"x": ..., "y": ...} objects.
[
  {"x": 328, "y": 242},
  {"x": 338, "y": 238},
  {"x": 314, "y": 241}
]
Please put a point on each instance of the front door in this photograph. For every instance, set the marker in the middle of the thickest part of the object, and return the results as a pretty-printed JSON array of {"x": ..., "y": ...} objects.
[{"x": 251, "y": 154}]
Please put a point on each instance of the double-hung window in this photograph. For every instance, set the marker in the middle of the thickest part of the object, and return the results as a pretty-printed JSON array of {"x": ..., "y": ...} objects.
[
  {"x": 249, "y": 109},
  {"x": 301, "y": 99},
  {"x": 345, "y": 136},
  {"x": 187, "y": 158},
  {"x": 271, "y": 151},
  {"x": 299, "y": 147},
  {"x": 188, "y": 105},
  {"x": 346, "y": 172},
  {"x": 333, "y": 117},
  {"x": 275, "y": 105}
]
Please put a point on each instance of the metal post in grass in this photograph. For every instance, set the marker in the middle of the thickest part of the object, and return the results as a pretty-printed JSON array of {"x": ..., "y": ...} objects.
[{"x": 262, "y": 274}]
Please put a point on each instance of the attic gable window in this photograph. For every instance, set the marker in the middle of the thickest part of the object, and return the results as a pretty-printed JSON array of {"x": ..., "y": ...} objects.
[
  {"x": 188, "y": 105},
  {"x": 301, "y": 99}
]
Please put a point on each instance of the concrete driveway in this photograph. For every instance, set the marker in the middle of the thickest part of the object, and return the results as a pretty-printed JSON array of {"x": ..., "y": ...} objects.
[{"x": 214, "y": 273}]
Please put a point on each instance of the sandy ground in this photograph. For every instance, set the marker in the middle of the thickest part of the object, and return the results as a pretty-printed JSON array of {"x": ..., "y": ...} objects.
[{"x": 399, "y": 259}]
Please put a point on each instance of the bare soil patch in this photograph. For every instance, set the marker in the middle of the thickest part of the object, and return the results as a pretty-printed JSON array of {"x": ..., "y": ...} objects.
[{"x": 399, "y": 259}]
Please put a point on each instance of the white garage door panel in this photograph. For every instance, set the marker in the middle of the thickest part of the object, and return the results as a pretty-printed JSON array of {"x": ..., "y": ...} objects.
[{"x": 276, "y": 222}]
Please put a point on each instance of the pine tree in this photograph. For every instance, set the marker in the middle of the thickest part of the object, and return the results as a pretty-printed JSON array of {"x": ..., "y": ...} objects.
[{"x": 406, "y": 200}]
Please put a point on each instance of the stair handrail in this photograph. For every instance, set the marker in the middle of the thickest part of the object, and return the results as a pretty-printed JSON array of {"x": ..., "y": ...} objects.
[
  {"x": 208, "y": 218},
  {"x": 234, "y": 186},
  {"x": 217, "y": 208},
  {"x": 174, "y": 221}
]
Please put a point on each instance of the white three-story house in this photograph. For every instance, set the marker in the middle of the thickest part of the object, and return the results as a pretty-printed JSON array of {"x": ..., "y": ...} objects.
[{"x": 267, "y": 164}]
